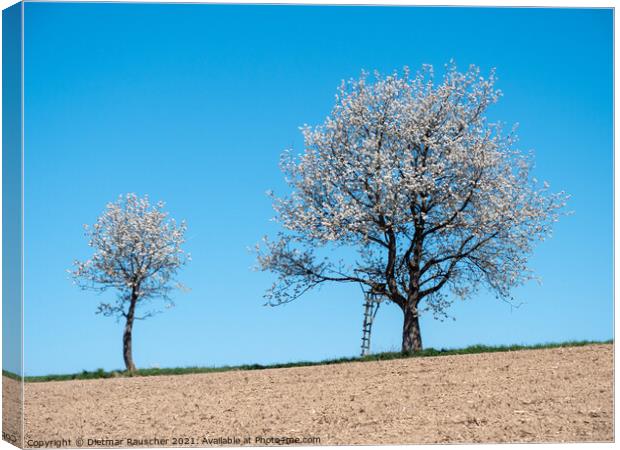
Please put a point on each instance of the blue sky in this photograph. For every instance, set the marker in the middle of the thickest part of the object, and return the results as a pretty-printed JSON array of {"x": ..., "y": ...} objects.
[{"x": 193, "y": 104}]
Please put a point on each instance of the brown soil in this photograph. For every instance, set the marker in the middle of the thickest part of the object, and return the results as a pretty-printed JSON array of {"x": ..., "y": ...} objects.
[
  {"x": 552, "y": 395},
  {"x": 11, "y": 410}
]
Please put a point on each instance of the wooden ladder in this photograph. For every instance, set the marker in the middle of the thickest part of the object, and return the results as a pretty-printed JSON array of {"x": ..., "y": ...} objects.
[{"x": 371, "y": 305}]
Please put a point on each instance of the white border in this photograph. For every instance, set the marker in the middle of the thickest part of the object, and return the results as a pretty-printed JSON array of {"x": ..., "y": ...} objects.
[{"x": 471, "y": 3}]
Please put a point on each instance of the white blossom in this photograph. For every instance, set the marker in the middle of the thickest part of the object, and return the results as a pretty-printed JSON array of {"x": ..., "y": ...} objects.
[
  {"x": 137, "y": 251},
  {"x": 408, "y": 173}
]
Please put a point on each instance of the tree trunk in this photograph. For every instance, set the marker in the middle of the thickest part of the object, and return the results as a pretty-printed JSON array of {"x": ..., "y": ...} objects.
[
  {"x": 127, "y": 355},
  {"x": 412, "y": 338}
]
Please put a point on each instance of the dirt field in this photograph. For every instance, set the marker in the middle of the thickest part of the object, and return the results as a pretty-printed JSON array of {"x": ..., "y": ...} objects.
[
  {"x": 11, "y": 410},
  {"x": 526, "y": 396}
]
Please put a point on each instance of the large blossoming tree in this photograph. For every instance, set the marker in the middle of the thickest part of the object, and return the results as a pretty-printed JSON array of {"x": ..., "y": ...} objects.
[
  {"x": 137, "y": 252},
  {"x": 425, "y": 199}
]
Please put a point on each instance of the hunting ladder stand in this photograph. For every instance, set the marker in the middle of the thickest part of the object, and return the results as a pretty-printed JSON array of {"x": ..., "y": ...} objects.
[{"x": 371, "y": 306}]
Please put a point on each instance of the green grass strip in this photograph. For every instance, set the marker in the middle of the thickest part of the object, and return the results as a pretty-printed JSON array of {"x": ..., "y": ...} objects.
[{"x": 100, "y": 373}]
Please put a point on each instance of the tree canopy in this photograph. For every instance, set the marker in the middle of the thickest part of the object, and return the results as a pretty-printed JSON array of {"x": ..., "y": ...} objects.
[{"x": 432, "y": 197}]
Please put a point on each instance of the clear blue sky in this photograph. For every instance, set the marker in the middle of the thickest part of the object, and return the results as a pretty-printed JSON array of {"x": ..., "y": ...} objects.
[{"x": 193, "y": 104}]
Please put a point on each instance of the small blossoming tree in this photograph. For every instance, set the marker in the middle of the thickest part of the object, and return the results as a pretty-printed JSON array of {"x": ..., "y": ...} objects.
[
  {"x": 424, "y": 195},
  {"x": 137, "y": 252}
]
